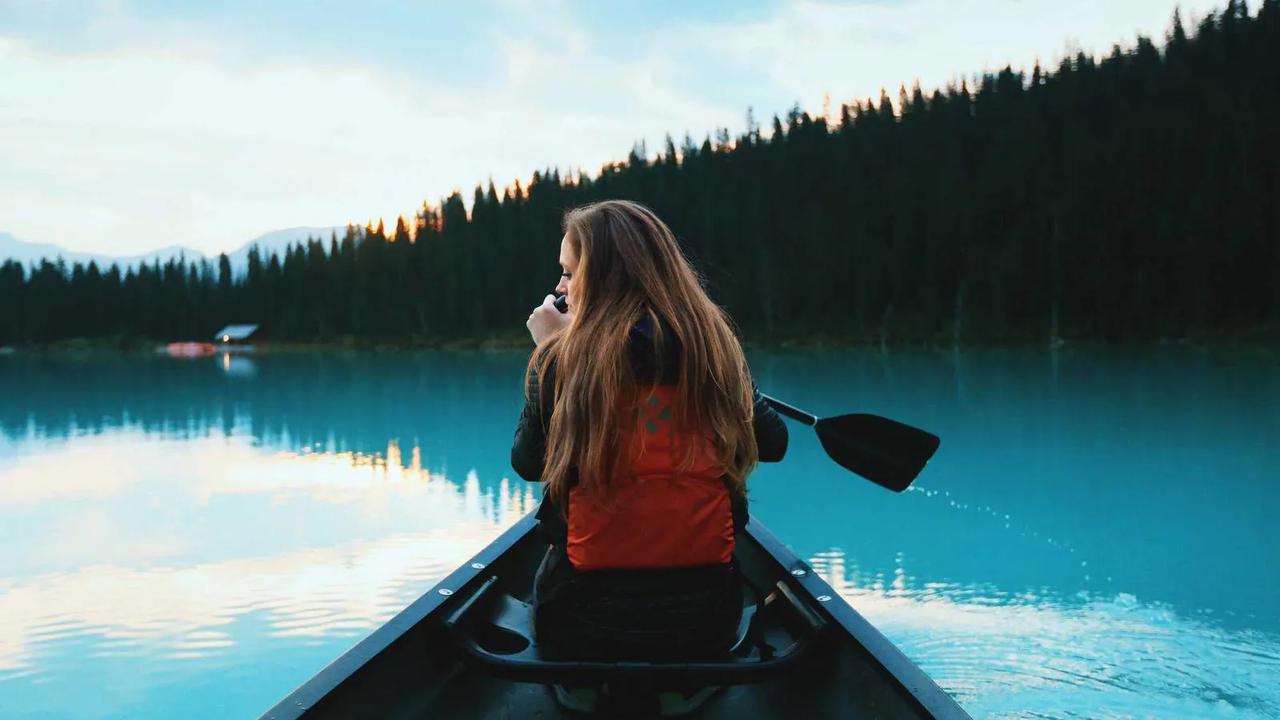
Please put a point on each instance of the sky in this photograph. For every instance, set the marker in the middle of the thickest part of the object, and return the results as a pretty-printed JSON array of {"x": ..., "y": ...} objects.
[{"x": 131, "y": 125}]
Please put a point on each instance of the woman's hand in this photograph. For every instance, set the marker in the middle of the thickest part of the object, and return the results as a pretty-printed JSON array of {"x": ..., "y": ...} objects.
[{"x": 546, "y": 320}]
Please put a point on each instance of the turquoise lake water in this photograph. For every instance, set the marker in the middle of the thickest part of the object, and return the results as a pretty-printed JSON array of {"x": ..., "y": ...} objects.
[{"x": 1096, "y": 536}]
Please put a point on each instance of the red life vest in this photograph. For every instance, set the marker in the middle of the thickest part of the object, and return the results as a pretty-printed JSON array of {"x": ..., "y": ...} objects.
[{"x": 657, "y": 516}]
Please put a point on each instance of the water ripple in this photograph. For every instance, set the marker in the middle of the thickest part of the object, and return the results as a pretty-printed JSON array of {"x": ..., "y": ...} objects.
[{"x": 1025, "y": 655}]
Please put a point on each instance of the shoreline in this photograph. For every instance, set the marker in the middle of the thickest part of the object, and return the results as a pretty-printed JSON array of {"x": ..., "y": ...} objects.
[{"x": 1252, "y": 338}]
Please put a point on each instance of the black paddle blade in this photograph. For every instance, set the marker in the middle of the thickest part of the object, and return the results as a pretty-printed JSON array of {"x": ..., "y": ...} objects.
[{"x": 884, "y": 451}]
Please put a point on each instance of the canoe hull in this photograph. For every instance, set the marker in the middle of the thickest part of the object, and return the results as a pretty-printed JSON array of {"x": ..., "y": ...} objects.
[{"x": 411, "y": 667}]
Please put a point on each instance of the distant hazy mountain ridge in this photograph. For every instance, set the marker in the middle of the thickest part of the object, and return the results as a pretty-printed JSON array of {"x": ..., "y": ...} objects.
[{"x": 273, "y": 243}]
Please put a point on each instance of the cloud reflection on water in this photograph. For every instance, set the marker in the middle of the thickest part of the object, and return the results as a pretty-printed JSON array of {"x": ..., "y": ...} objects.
[{"x": 129, "y": 592}]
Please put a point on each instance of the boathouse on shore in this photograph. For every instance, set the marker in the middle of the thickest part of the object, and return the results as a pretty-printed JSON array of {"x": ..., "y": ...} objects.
[{"x": 235, "y": 336}]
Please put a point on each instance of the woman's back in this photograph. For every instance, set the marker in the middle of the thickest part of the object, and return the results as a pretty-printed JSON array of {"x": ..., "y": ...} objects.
[{"x": 642, "y": 417}]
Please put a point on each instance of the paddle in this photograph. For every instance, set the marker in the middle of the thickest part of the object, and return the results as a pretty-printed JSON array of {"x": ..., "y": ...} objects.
[{"x": 886, "y": 452}]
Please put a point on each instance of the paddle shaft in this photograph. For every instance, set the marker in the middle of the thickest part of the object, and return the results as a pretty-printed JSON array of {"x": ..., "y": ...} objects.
[{"x": 791, "y": 411}]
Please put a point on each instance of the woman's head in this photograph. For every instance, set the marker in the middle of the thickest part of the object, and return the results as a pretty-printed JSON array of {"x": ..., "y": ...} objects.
[
  {"x": 622, "y": 265},
  {"x": 568, "y": 267},
  {"x": 618, "y": 253}
]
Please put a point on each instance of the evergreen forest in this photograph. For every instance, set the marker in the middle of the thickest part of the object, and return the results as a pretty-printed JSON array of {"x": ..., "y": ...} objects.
[{"x": 1132, "y": 196}]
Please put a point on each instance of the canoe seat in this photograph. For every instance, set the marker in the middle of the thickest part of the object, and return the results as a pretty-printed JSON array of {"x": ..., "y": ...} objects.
[{"x": 494, "y": 631}]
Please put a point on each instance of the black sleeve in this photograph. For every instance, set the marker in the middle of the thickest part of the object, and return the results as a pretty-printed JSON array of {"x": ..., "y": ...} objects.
[
  {"x": 771, "y": 431},
  {"x": 528, "y": 451}
]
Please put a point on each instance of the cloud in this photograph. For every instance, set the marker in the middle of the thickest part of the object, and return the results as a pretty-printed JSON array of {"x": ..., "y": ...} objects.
[
  {"x": 149, "y": 149},
  {"x": 806, "y": 49},
  {"x": 127, "y": 150},
  {"x": 164, "y": 130}
]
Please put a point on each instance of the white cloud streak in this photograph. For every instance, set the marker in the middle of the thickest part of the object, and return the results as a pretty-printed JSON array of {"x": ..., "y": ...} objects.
[{"x": 179, "y": 140}]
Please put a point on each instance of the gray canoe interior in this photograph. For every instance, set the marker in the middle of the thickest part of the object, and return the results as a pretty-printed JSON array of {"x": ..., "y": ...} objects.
[{"x": 420, "y": 675}]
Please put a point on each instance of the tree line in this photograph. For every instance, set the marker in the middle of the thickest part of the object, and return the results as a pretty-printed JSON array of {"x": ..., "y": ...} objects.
[{"x": 1131, "y": 196}]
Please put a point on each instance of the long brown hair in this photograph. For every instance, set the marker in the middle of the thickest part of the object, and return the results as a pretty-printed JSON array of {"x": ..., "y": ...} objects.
[{"x": 630, "y": 267}]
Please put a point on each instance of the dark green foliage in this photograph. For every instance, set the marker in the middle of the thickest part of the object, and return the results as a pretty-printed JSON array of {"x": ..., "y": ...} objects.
[{"x": 1128, "y": 197}]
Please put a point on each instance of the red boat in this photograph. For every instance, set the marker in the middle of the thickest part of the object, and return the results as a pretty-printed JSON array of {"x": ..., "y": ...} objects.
[{"x": 190, "y": 349}]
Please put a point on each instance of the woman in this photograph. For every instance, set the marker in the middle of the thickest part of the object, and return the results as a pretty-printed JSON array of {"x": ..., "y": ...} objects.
[{"x": 641, "y": 417}]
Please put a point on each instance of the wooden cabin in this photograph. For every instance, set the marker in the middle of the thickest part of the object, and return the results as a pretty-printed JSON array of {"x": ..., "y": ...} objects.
[{"x": 233, "y": 338}]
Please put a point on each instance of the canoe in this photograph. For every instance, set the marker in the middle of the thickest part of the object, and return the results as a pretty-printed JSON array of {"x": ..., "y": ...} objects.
[{"x": 464, "y": 650}]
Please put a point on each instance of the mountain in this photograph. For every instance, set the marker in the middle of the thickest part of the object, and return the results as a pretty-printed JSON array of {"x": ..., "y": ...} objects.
[
  {"x": 273, "y": 243},
  {"x": 277, "y": 242},
  {"x": 32, "y": 253}
]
